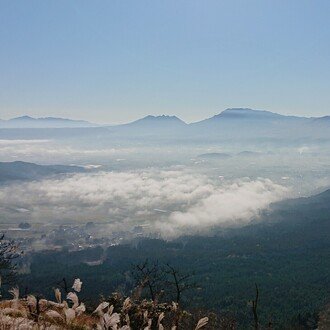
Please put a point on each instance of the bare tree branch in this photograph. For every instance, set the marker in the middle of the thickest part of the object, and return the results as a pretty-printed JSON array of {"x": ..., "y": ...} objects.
[{"x": 9, "y": 252}]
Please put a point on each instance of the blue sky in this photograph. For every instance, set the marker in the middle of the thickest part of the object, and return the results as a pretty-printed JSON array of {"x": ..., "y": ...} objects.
[{"x": 115, "y": 61}]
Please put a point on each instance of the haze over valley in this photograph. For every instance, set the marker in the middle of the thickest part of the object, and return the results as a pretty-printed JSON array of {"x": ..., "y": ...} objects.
[{"x": 158, "y": 175}]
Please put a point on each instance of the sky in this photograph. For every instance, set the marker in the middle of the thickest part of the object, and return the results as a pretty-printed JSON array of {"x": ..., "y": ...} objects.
[{"x": 116, "y": 61}]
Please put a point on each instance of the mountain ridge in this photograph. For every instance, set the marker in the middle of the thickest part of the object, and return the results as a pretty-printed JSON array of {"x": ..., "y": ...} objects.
[
  {"x": 24, "y": 171},
  {"x": 26, "y": 121},
  {"x": 229, "y": 115}
]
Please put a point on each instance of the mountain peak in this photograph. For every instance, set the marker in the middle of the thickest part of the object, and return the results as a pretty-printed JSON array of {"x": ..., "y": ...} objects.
[
  {"x": 247, "y": 113},
  {"x": 23, "y": 118},
  {"x": 162, "y": 119}
]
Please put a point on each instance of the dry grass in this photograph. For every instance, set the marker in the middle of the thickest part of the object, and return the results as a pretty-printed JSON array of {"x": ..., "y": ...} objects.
[{"x": 70, "y": 313}]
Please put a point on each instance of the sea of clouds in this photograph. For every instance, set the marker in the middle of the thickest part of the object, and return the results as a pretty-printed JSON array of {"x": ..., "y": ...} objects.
[{"x": 172, "y": 202}]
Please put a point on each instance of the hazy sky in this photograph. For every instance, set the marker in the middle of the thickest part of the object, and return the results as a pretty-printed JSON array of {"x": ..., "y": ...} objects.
[{"x": 114, "y": 61}]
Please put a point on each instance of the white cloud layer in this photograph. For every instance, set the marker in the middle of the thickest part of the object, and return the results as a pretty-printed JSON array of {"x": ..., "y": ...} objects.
[
  {"x": 188, "y": 201},
  {"x": 47, "y": 150}
]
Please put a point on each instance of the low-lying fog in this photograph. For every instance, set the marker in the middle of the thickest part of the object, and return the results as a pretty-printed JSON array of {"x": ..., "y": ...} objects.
[{"x": 169, "y": 189}]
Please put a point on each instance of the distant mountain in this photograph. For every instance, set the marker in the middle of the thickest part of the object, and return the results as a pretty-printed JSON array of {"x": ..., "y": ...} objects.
[
  {"x": 234, "y": 124},
  {"x": 163, "y": 120},
  {"x": 159, "y": 121},
  {"x": 242, "y": 123},
  {"x": 245, "y": 114},
  {"x": 214, "y": 155},
  {"x": 47, "y": 122},
  {"x": 152, "y": 125},
  {"x": 233, "y": 113},
  {"x": 230, "y": 124},
  {"x": 11, "y": 171}
]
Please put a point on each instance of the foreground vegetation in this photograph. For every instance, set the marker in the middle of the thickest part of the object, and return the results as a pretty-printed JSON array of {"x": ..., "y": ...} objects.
[{"x": 32, "y": 312}]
